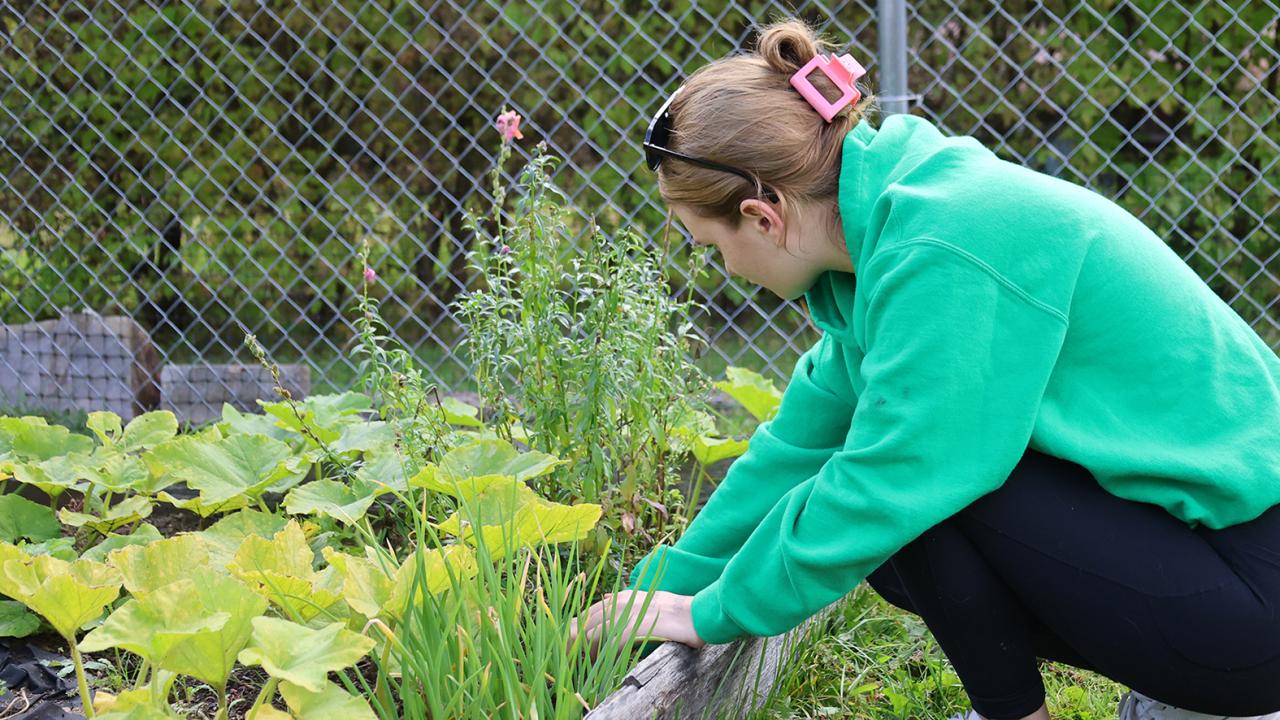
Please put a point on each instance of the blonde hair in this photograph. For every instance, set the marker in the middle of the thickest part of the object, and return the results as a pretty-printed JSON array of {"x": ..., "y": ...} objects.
[{"x": 742, "y": 111}]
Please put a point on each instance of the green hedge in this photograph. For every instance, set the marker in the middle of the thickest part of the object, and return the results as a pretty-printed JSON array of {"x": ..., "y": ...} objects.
[{"x": 221, "y": 168}]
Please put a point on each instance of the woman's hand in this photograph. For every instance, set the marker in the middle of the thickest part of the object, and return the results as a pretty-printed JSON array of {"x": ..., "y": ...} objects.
[{"x": 667, "y": 617}]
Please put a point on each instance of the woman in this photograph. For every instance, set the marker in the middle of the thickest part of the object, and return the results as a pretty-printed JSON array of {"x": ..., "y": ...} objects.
[{"x": 1027, "y": 419}]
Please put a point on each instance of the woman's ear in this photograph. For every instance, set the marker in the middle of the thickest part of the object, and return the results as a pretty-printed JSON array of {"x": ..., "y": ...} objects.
[{"x": 765, "y": 217}]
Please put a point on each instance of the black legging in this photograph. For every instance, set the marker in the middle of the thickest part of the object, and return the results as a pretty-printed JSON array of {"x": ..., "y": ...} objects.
[{"x": 1053, "y": 566}]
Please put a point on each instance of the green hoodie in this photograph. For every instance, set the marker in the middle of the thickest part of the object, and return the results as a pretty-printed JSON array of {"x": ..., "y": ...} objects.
[{"x": 996, "y": 308}]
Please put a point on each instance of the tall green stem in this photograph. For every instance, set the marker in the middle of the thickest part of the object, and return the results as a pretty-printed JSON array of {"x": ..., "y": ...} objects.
[
  {"x": 268, "y": 692},
  {"x": 85, "y": 700}
]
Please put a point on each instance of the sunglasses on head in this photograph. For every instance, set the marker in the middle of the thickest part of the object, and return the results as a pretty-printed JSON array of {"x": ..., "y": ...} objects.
[{"x": 659, "y": 134}]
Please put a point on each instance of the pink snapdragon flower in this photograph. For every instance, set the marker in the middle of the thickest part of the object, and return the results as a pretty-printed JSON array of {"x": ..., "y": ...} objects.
[
  {"x": 370, "y": 275},
  {"x": 509, "y": 125}
]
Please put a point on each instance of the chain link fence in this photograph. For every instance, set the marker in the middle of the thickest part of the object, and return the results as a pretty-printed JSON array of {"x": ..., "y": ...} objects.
[{"x": 209, "y": 169}]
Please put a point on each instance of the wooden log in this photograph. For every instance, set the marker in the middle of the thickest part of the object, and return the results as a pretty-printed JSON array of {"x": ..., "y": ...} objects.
[
  {"x": 715, "y": 682},
  {"x": 195, "y": 392},
  {"x": 80, "y": 361}
]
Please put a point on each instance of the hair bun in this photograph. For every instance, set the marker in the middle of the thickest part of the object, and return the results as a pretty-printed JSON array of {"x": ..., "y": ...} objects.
[{"x": 789, "y": 44}]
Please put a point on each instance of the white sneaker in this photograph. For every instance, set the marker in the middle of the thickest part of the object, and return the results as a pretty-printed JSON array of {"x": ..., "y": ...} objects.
[
  {"x": 971, "y": 715},
  {"x": 1136, "y": 706}
]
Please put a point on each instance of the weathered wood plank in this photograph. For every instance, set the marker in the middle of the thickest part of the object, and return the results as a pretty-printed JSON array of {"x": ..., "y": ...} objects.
[{"x": 717, "y": 682}]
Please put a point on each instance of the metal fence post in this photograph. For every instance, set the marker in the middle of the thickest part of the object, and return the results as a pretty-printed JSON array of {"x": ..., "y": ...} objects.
[{"x": 893, "y": 56}]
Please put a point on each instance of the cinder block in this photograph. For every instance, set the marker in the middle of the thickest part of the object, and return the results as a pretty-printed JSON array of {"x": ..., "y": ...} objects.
[
  {"x": 80, "y": 361},
  {"x": 196, "y": 392}
]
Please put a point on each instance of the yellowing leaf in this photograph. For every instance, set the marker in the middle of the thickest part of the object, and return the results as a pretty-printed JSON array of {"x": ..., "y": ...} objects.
[
  {"x": 152, "y": 566},
  {"x": 711, "y": 450},
  {"x": 266, "y": 712},
  {"x": 366, "y": 583},
  {"x": 67, "y": 594},
  {"x": 209, "y": 655},
  {"x": 281, "y": 569},
  {"x": 226, "y": 536},
  {"x": 759, "y": 396},
  {"x": 332, "y": 703},
  {"x": 300, "y": 655},
  {"x": 457, "y": 412},
  {"x": 432, "y": 478},
  {"x": 438, "y": 565},
  {"x": 506, "y": 517}
]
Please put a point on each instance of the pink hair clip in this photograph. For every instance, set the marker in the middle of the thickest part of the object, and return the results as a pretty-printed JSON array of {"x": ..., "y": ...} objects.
[{"x": 843, "y": 71}]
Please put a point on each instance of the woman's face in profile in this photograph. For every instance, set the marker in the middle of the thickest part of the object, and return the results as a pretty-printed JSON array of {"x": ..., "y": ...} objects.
[{"x": 756, "y": 250}]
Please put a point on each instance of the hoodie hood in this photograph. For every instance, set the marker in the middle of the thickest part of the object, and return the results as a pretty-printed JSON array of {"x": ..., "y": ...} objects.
[{"x": 871, "y": 161}]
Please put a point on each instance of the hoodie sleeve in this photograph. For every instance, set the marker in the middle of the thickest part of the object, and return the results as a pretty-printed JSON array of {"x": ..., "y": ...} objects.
[
  {"x": 810, "y": 425},
  {"x": 957, "y": 362}
]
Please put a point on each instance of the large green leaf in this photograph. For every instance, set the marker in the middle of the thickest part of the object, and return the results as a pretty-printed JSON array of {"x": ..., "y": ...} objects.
[
  {"x": 33, "y": 439},
  {"x": 496, "y": 457},
  {"x": 346, "y": 503},
  {"x": 300, "y": 655},
  {"x": 21, "y": 518},
  {"x": 225, "y": 469},
  {"x": 106, "y": 425},
  {"x": 321, "y": 416},
  {"x": 118, "y": 473},
  {"x": 144, "y": 534},
  {"x": 16, "y": 621},
  {"x": 202, "y": 508},
  {"x": 364, "y": 437},
  {"x": 129, "y": 510},
  {"x": 457, "y": 412},
  {"x": 52, "y": 476},
  {"x": 759, "y": 396},
  {"x": 148, "y": 430},
  {"x": 388, "y": 468},
  {"x": 235, "y": 422}
]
